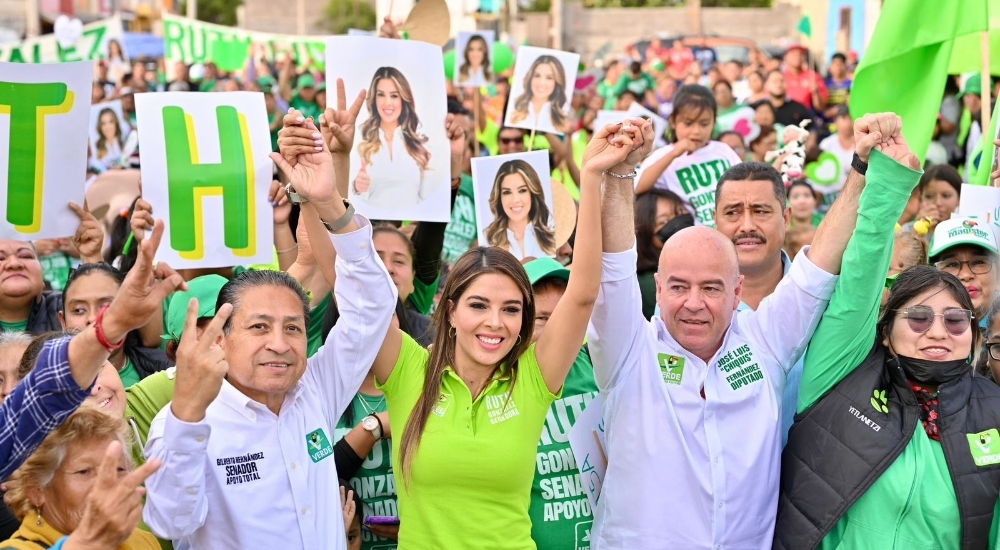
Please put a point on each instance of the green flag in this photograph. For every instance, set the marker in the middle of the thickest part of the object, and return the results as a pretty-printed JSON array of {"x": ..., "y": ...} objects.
[
  {"x": 982, "y": 166},
  {"x": 907, "y": 61},
  {"x": 805, "y": 26}
]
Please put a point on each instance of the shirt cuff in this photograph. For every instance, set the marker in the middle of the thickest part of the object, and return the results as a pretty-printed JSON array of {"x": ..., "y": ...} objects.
[
  {"x": 618, "y": 266},
  {"x": 811, "y": 278},
  {"x": 185, "y": 437},
  {"x": 356, "y": 245},
  {"x": 63, "y": 372},
  {"x": 890, "y": 175}
]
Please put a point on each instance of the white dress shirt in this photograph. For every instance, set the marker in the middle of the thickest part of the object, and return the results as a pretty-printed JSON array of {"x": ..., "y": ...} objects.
[
  {"x": 531, "y": 247},
  {"x": 260, "y": 480},
  {"x": 686, "y": 471},
  {"x": 396, "y": 179}
]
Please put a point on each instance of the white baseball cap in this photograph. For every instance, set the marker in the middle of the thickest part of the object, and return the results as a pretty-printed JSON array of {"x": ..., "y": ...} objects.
[{"x": 959, "y": 231}]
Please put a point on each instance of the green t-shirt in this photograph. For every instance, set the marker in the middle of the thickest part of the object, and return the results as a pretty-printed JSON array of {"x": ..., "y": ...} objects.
[
  {"x": 490, "y": 136},
  {"x": 314, "y": 332},
  {"x": 461, "y": 231},
  {"x": 143, "y": 401},
  {"x": 374, "y": 481},
  {"x": 637, "y": 85},
  {"x": 560, "y": 512},
  {"x": 307, "y": 108},
  {"x": 606, "y": 90},
  {"x": 21, "y": 326},
  {"x": 470, "y": 483},
  {"x": 422, "y": 297},
  {"x": 56, "y": 268},
  {"x": 129, "y": 375}
]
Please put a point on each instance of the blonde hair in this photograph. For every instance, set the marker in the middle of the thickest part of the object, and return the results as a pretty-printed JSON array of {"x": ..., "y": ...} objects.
[
  {"x": 88, "y": 423},
  {"x": 413, "y": 140},
  {"x": 538, "y": 215},
  {"x": 557, "y": 100},
  {"x": 102, "y": 142}
]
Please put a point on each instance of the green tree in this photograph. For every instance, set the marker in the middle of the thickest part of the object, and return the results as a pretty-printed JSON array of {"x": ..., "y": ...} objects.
[
  {"x": 341, "y": 15},
  {"x": 220, "y": 12}
]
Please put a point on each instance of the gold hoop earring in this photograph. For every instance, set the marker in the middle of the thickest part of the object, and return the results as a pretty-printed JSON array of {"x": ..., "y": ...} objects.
[{"x": 452, "y": 332}]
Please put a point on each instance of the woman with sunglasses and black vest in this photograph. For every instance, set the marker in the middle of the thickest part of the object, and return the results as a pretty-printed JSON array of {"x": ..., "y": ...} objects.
[{"x": 896, "y": 442}]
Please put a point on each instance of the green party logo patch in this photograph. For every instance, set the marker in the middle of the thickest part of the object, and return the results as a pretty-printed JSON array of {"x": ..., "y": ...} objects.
[
  {"x": 672, "y": 368},
  {"x": 879, "y": 401},
  {"x": 985, "y": 447},
  {"x": 444, "y": 401},
  {"x": 318, "y": 445}
]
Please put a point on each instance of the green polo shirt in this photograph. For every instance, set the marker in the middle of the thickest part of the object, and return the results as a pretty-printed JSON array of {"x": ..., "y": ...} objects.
[{"x": 470, "y": 482}]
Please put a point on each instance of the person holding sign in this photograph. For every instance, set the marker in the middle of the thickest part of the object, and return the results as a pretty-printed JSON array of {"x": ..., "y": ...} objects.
[
  {"x": 246, "y": 442},
  {"x": 393, "y": 156},
  {"x": 469, "y": 413},
  {"x": 521, "y": 221},
  {"x": 541, "y": 103},
  {"x": 693, "y": 398},
  {"x": 476, "y": 68}
]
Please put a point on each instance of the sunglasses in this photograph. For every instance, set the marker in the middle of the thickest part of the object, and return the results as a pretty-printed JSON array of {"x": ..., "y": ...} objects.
[
  {"x": 920, "y": 318},
  {"x": 510, "y": 141}
]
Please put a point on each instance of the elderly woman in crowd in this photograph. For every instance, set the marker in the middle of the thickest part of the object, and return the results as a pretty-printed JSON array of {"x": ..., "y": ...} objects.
[{"x": 49, "y": 492}]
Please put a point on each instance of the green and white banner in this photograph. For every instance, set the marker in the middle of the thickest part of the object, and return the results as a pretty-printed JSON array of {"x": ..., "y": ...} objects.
[
  {"x": 194, "y": 41},
  {"x": 81, "y": 43}
]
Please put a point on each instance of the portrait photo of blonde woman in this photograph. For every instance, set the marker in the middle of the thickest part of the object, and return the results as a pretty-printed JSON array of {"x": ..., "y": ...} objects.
[
  {"x": 542, "y": 90},
  {"x": 108, "y": 131},
  {"x": 474, "y": 54},
  {"x": 400, "y": 160},
  {"x": 513, "y": 195}
]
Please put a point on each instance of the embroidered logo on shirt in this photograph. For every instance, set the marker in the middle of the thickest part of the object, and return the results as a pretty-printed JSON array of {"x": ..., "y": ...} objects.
[
  {"x": 879, "y": 401},
  {"x": 672, "y": 368},
  {"x": 444, "y": 401},
  {"x": 500, "y": 408},
  {"x": 318, "y": 445},
  {"x": 241, "y": 469},
  {"x": 740, "y": 367},
  {"x": 985, "y": 447}
]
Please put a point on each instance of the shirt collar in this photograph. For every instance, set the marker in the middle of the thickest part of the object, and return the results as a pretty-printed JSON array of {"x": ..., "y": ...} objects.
[
  {"x": 247, "y": 407},
  {"x": 786, "y": 266}
]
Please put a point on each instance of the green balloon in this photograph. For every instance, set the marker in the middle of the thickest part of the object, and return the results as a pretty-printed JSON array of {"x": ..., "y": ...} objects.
[
  {"x": 449, "y": 65},
  {"x": 503, "y": 59}
]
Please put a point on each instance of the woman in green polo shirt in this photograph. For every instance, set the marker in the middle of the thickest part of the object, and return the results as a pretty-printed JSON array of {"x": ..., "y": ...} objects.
[{"x": 470, "y": 411}]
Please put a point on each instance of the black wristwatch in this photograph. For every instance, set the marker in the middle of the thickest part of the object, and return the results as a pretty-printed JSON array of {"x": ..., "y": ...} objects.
[{"x": 859, "y": 165}]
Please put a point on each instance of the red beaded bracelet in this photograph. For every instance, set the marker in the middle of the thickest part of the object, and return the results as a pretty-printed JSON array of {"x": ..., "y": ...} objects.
[{"x": 99, "y": 330}]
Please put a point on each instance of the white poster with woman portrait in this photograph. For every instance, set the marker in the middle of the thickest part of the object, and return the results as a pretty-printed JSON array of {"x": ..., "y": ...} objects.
[
  {"x": 116, "y": 58},
  {"x": 542, "y": 90},
  {"x": 401, "y": 159},
  {"x": 474, "y": 58},
  {"x": 108, "y": 131},
  {"x": 514, "y": 205}
]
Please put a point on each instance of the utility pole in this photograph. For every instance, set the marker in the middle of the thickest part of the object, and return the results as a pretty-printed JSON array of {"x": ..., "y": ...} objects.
[{"x": 556, "y": 28}]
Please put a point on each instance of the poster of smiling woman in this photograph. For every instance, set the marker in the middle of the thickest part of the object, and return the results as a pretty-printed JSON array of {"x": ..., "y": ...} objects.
[
  {"x": 542, "y": 90},
  {"x": 400, "y": 163},
  {"x": 473, "y": 59},
  {"x": 514, "y": 206}
]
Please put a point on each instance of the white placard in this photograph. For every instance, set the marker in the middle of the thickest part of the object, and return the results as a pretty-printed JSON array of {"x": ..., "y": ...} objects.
[
  {"x": 43, "y": 166},
  {"x": 409, "y": 173},
  {"x": 980, "y": 202},
  {"x": 659, "y": 123},
  {"x": 109, "y": 132},
  {"x": 212, "y": 194},
  {"x": 513, "y": 195},
  {"x": 588, "y": 442},
  {"x": 604, "y": 118},
  {"x": 474, "y": 58},
  {"x": 541, "y": 92}
]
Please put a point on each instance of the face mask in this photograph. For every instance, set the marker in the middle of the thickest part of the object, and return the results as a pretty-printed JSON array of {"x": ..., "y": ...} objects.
[
  {"x": 675, "y": 225},
  {"x": 933, "y": 372}
]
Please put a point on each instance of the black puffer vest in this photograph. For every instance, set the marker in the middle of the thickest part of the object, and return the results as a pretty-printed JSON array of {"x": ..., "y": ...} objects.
[{"x": 841, "y": 445}]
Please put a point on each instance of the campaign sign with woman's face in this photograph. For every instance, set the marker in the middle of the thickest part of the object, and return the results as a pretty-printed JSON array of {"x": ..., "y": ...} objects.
[
  {"x": 114, "y": 50},
  {"x": 542, "y": 90},
  {"x": 108, "y": 130},
  {"x": 474, "y": 58},
  {"x": 400, "y": 160},
  {"x": 514, "y": 206}
]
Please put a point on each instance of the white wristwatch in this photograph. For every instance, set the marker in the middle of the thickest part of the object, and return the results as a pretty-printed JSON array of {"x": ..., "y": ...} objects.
[{"x": 373, "y": 425}]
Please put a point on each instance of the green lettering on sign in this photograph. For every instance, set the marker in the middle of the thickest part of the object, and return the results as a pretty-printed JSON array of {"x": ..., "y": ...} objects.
[
  {"x": 190, "y": 181},
  {"x": 28, "y": 104}
]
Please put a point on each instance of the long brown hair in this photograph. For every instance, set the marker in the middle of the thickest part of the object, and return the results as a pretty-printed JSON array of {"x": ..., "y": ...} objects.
[
  {"x": 468, "y": 268},
  {"x": 496, "y": 232},
  {"x": 464, "y": 71},
  {"x": 557, "y": 100},
  {"x": 413, "y": 140},
  {"x": 102, "y": 142}
]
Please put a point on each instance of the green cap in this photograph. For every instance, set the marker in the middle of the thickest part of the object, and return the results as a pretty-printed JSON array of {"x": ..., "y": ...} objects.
[
  {"x": 958, "y": 231},
  {"x": 206, "y": 289},
  {"x": 321, "y": 87},
  {"x": 543, "y": 268},
  {"x": 266, "y": 83},
  {"x": 306, "y": 80},
  {"x": 974, "y": 85}
]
